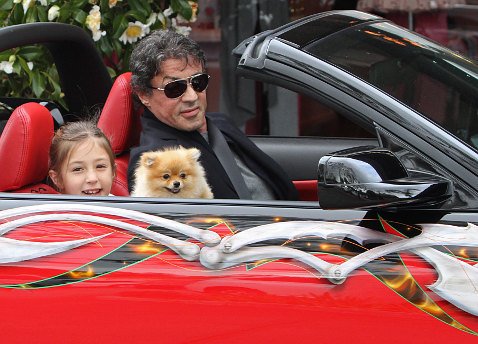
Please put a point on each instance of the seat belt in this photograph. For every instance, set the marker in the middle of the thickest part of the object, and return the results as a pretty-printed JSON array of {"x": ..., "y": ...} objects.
[{"x": 226, "y": 158}]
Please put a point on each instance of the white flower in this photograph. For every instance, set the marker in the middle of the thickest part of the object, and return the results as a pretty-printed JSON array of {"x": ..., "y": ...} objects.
[
  {"x": 152, "y": 19},
  {"x": 183, "y": 30},
  {"x": 30, "y": 65},
  {"x": 112, "y": 3},
  {"x": 162, "y": 19},
  {"x": 27, "y": 4},
  {"x": 180, "y": 19},
  {"x": 53, "y": 12},
  {"x": 6, "y": 66},
  {"x": 93, "y": 22},
  {"x": 98, "y": 34},
  {"x": 17, "y": 1},
  {"x": 168, "y": 11},
  {"x": 133, "y": 32}
]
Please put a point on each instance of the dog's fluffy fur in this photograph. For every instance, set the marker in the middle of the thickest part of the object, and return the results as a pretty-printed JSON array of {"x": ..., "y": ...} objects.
[{"x": 172, "y": 172}]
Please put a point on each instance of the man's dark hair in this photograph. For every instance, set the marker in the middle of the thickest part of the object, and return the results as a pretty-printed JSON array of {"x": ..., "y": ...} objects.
[{"x": 159, "y": 46}]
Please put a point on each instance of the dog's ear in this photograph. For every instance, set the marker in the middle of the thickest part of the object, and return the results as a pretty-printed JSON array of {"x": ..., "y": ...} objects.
[
  {"x": 194, "y": 153},
  {"x": 148, "y": 159}
]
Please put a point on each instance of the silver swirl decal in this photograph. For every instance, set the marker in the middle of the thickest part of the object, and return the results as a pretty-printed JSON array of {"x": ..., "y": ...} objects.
[{"x": 457, "y": 281}]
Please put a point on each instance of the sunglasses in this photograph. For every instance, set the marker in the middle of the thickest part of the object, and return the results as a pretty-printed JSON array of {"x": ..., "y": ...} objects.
[{"x": 176, "y": 88}]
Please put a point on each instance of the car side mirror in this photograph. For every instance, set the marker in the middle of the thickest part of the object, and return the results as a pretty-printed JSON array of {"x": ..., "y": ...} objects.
[{"x": 369, "y": 177}]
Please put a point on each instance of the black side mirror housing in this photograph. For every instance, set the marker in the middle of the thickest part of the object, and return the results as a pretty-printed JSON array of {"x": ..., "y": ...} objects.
[{"x": 371, "y": 177}]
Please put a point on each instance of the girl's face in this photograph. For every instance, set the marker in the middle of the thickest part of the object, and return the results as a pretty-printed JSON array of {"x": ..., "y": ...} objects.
[{"x": 87, "y": 172}]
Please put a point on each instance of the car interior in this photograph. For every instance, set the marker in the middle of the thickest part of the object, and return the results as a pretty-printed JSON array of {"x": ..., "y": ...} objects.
[
  {"x": 30, "y": 129},
  {"x": 32, "y": 125},
  {"x": 27, "y": 165}
]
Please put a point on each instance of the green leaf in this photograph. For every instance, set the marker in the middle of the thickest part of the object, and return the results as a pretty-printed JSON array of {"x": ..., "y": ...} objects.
[
  {"x": 79, "y": 16},
  {"x": 105, "y": 46},
  {"x": 78, "y": 3},
  {"x": 6, "y": 5},
  {"x": 139, "y": 6},
  {"x": 32, "y": 53},
  {"x": 3, "y": 18},
  {"x": 183, "y": 8},
  {"x": 53, "y": 80},
  {"x": 136, "y": 15},
  {"x": 42, "y": 14},
  {"x": 38, "y": 84},
  {"x": 25, "y": 67},
  {"x": 17, "y": 15},
  {"x": 17, "y": 68},
  {"x": 104, "y": 4},
  {"x": 108, "y": 17},
  {"x": 119, "y": 25},
  {"x": 54, "y": 83},
  {"x": 117, "y": 46},
  {"x": 5, "y": 55},
  {"x": 31, "y": 15},
  {"x": 111, "y": 72},
  {"x": 65, "y": 13}
]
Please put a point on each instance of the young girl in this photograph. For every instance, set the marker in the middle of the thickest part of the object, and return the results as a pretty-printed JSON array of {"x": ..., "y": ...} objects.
[{"x": 81, "y": 160}]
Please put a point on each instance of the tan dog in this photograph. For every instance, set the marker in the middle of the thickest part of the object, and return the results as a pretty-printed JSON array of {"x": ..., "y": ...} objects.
[{"x": 173, "y": 172}]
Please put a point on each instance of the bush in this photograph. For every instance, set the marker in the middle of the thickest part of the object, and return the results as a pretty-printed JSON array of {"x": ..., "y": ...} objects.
[{"x": 113, "y": 24}]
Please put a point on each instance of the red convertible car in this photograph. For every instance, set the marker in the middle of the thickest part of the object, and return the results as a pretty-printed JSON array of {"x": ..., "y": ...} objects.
[{"x": 382, "y": 247}]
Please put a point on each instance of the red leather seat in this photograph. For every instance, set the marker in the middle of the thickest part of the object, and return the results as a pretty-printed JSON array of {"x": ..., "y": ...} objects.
[
  {"x": 120, "y": 121},
  {"x": 24, "y": 149}
]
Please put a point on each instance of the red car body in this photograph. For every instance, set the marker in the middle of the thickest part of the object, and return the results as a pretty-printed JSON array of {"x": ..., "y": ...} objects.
[
  {"x": 398, "y": 266},
  {"x": 125, "y": 287}
]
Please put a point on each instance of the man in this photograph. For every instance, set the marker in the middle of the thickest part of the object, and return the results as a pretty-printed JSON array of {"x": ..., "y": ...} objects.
[{"x": 169, "y": 78}]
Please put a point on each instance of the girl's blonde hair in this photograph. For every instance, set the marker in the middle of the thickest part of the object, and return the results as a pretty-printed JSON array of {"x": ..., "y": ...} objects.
[{"x": 69, "y": 136}]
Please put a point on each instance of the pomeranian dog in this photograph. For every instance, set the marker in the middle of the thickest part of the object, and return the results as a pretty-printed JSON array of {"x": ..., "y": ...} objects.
[{"x": 172, "y": 172}]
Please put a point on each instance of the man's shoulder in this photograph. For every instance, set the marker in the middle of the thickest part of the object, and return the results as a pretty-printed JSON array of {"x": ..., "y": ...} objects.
[{"x": 154, "y": 128}]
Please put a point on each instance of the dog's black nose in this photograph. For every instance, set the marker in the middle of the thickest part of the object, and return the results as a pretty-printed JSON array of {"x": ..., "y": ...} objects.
[{"x": 177, "y": 184}]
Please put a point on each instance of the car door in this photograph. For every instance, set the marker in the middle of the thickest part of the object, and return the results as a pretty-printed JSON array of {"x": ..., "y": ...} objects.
[{"x": 159, "y": 261}]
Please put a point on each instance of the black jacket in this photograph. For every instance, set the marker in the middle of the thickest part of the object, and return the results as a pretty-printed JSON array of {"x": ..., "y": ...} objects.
[{"x": 156, "y": 135}]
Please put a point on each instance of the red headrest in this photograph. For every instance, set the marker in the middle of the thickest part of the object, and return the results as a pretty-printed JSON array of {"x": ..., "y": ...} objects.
[
  {"x": 119, "y": 118},
  {"x": 24, "y": 146}
]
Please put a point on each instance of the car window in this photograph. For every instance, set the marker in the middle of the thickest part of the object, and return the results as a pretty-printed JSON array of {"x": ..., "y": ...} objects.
[
  {"x": 436, "y": 82},
  {"x": 291, "y": 114}
]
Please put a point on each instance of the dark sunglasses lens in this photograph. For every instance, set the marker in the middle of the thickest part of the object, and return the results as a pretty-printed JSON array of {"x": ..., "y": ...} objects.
[
  {"x": 175, "y": 89},
  {"x": 199, "y": 83}
]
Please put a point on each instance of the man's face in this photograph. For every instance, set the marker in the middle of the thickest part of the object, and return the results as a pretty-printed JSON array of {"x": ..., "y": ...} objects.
[{"x": 186, "y": 112}]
